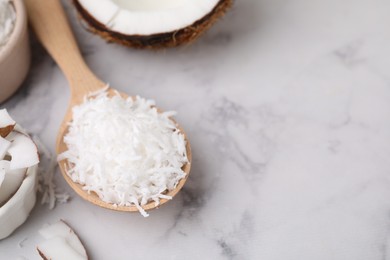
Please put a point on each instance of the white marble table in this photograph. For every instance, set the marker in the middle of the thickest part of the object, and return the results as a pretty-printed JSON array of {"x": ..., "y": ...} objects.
[{"x": 287, "y": 106}]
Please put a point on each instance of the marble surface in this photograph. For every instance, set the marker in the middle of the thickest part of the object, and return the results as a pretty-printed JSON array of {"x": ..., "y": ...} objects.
[{"x": 287, "y": 106}]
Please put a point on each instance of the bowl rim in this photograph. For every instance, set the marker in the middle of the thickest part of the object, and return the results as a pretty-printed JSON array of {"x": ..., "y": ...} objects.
[
  {"x": 17, "y": 32},
  {"x": 18, "y": 208},
  {"x": 23, "y": 191}
]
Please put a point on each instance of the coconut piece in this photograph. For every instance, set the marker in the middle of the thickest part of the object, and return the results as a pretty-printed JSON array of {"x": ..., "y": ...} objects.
[
  {"x": 7, "y": 124},
  {"x": 12, "y": 181},
  {"x": 23, "y": 151},
  {"x": 57, "y": 248},
  {"x": 4, "y": 145},
  {"x": 2, "y": 176},
  {"x": 151, "y": 24},
  {"x": 61, "y": 242}
]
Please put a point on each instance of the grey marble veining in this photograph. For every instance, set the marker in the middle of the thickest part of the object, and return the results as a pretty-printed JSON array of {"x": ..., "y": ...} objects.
[{"x": 286, "y": 104}]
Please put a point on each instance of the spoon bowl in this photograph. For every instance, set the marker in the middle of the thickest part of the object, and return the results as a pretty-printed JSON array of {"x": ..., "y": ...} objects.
[
  {"x": 52, "y": 29},
  {"x": 92, "y": 196}
]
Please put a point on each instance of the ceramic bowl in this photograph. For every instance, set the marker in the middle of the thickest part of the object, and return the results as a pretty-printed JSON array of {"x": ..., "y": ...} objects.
[
  {"x": 17, "y": 209},
  {"x": 15, "y": 55}
]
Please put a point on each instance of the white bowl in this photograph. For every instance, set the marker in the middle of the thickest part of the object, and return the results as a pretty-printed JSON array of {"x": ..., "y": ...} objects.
[
  {"x": 15, "y": 55},
  {"x": 15, "y": 212},
  {"x": 17, "y": 209}
]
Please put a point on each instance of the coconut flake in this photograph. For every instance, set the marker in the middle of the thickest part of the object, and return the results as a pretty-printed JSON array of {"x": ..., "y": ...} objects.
[
  {"x": 98, "y": 92},
  {"x": 51, "y": 194},
  {"x": 124, "y": 150}
]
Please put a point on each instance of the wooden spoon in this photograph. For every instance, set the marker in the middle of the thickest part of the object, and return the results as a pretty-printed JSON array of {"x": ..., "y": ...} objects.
[{"x": 51, "y": 27}]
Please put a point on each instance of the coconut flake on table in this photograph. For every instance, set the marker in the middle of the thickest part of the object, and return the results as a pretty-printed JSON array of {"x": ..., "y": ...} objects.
[
  {"x": 124, "y": 150},
  {"x": 7, "y": 20},
  {"x": 51, "y": 193}
]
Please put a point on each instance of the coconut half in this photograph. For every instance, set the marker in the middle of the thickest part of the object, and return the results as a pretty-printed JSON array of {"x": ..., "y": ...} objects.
[{"x": 151, "y": 24}]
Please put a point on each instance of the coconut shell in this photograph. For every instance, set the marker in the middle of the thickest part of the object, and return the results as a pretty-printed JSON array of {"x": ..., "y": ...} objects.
[
  {"x": 156, "y": 41},
  {"x": 42, "y": 254},
  {"x": 4, "y": 131}
]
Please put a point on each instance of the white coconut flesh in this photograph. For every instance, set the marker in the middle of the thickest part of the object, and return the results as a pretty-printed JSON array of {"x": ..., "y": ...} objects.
[
  {"x": 17, "y": 153},
  {"x": 23, "y": 151},
  {"x": 12, "y": 179},
  {"x": 6, "y": 123},
  {"x": 2, "y": 176},
  {"x": 61, "y": 242},
  {"x": 147, "y": 17},
  {"x": 5, "y": 119},
  {"x": 4, "y": 145}
]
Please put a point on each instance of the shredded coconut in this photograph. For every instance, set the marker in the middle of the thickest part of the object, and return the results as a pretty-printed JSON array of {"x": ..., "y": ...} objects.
[
  {"x": 51, "y": 194},
  {"x": 124, "y": 150},
  {"x": 7, "y": 20}
]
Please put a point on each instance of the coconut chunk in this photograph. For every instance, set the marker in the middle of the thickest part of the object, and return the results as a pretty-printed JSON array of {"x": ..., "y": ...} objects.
[
  {"x": 12, "y": 179},
  {"x": 7, "y": 124},
  {"x": 57, "y": 248},
  {"x": 4, "y": 145},
  {"x": 61, "y": 243},
  {"x": 2, "y": 176},
  {"x": 23, "y": 151}
]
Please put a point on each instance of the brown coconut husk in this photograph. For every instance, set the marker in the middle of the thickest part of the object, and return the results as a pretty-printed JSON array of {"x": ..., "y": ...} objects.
[
  {"x": 4, "y": 131},
  {"x": 156, "y": 41},
  {"x": 42, "y": 254}
]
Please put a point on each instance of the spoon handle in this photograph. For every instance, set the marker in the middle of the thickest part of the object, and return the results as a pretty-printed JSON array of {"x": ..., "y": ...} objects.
[{"x": 49, "y": 22}]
